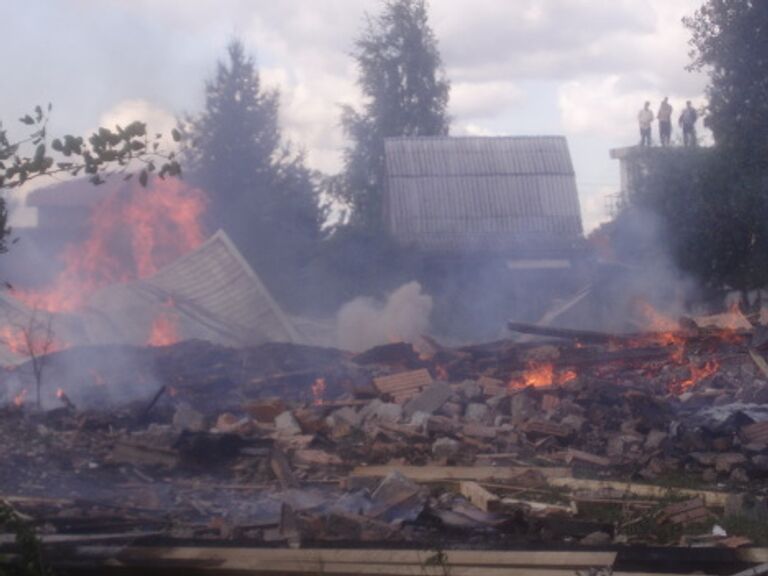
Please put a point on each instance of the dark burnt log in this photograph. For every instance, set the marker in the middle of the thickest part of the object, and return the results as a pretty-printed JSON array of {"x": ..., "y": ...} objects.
[
  {"x": 395, "y": 354},
  {"x": 587, "y": 336},
  {"x": 703, "y": 336},
  {"x": 145, "y": 412}
]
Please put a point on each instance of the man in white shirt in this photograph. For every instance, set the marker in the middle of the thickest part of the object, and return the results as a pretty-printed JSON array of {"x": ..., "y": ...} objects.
[{"x": 645, "y": 119}]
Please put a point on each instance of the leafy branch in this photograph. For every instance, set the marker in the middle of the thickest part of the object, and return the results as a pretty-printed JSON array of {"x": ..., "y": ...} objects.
[
  {"x": 105, "y": 152},
  {"x": 124, "y": 151}
]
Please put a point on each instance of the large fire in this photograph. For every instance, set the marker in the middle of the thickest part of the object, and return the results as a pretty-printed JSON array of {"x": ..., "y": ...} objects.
[
  {"x": 667, "y": 332},
  {"x": 133, "y": 233}
]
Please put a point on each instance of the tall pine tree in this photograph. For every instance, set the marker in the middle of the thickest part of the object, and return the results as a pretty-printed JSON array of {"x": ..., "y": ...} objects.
[
  {"x": 260, "y": 193},
  {"x": 405, "y": 94}
]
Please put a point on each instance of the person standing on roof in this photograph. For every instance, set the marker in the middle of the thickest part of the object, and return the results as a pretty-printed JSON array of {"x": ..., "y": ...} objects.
[
  {"x": 665, "y": 121},
  {"x": 688, "y": 123},
  {"x": 645, "y": 119}
]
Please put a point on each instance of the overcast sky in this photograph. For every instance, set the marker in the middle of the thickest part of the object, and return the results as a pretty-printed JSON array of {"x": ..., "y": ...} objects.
[{"x": 581, "y": 68}]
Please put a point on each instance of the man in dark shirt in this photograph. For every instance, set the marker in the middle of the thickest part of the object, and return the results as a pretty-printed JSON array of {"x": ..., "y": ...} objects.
[{"x": 688, "y": 123}]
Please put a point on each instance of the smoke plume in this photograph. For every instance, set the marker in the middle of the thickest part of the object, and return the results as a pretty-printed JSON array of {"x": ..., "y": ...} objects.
[{"x": 365, "y": 322}]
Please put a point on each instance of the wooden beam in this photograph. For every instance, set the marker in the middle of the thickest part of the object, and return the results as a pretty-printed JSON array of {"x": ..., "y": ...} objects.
[
  {"x": 375, "y": 562},
  {"x": 479, "y": 496},
  {"x": 268, "y": 559},
  {"x": 563, "y": 333},
  {"x": 756, "y": 571},
  {"x": 759, "y": 361},
  {"x": 403, "y": 381},
  {"x": 755, "y": 555},
  {"x": 458, "y": 473},
  {"x": 710, "y": 498}
]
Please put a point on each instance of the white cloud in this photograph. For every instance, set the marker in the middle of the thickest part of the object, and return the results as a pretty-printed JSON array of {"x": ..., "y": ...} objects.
[
  {"x": 595, "y": 206},
  {"x": 473, "y": 100},
  {"x": 151, "y": 57},
  {"x": 598, "y": 106},
  {"x": 127, "y": 111},
  {"x": 604, "y": 107},
  {"x": 309, "y": 112}
]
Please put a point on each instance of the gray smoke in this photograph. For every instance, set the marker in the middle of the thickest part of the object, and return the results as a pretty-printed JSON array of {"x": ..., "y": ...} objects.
[{"x": 366, "y": 322}]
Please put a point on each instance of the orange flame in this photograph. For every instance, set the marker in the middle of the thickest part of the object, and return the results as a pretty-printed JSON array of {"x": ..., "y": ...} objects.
[
  {"x": 60, "y": 393},
  {"x": 164, "y": 331},
  {"x": 542, "y": 375},
  {"x": 28, "y": 344},
  {"x": 697, "y": 375},
  {"x": 668, "y": 334},
  {"x": 318, "y": 391},
  {"x": 19, "y": 399},
  {"x": 158, "y": 225},
  {"x": 13, "y": 339},
  {"x": 653, "y": 319},
  {"x": 566, "y": 376}
]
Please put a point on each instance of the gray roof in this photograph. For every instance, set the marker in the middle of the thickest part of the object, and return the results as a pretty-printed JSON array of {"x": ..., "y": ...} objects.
[
  {"x": 210, "y": 293},
  {"x": 215, "y": 296},
  {"x": 502, "y": 194}
]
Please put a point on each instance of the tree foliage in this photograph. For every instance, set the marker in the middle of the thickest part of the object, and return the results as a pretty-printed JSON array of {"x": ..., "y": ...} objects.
[
  {"x": 261, "y": 192},
  {"x": 729, "y": 40},
  {"x": 124, "y": 151},
  {"x": 235, "y": 141},
  {"x": 405, "y": 94},
  {"x": 713, "y": 215},
  {"x": 713, "y": 203}
]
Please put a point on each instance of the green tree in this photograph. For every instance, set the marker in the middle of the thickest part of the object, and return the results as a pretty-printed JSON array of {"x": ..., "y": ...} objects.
[
  {"x": 712, "y": 217},
  {"x": 405, "y": 94},
  {"x": 261, "y": 193},
  {"x": 729, "y": 40},
  {"x": 713, "y": 203},
  {"x": 235, "y": 141},
  {"x": 124, "y": 151}
]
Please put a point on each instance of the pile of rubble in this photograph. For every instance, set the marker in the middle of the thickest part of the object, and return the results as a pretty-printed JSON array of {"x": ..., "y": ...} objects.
[{"x": 586, "y": 439}]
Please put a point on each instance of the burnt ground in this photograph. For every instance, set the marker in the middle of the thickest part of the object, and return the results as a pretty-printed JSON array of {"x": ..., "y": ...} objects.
[{"x": 624, "y": 442}]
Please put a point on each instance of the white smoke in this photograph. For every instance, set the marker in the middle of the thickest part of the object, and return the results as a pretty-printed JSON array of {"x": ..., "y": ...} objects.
[{"x": 366, "y": 322}]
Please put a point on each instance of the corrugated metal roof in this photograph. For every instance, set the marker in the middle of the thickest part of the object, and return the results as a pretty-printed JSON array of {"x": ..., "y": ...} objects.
[
  {"x": 215, "y": 295},
  {"x": 499, "y": 194}
]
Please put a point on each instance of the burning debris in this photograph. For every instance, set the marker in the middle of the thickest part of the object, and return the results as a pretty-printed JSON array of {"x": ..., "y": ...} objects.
[
  {"x": 183, "y": 404},
  {"x": 182, "y": 300},
  {"x": 581, "y": 439}
]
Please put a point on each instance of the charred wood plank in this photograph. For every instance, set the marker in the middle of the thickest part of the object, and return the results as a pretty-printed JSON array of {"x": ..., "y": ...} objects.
[
  {"x": 458, "y": 473},
  {"x": 155, "y": 399},
  {"x": 588, "y": 336},
  {"x": 397, "y": 353}
]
